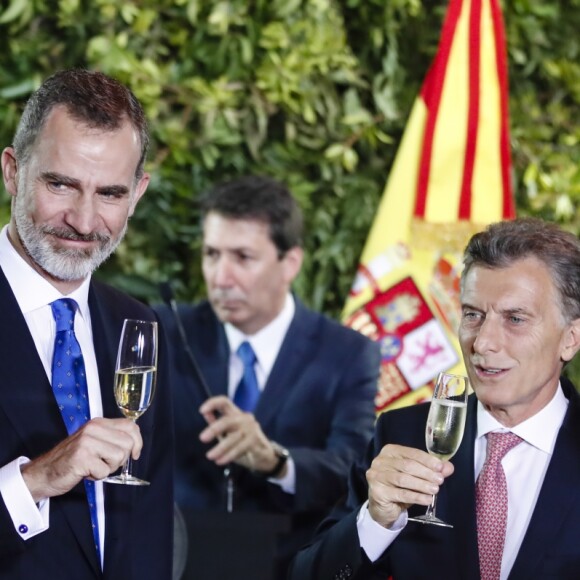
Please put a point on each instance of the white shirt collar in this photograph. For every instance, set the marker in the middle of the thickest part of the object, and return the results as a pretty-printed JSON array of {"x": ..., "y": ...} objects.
[
  {"x": 266, "y": 342},
  {"x": 540, "y": 430},
  {"x": 32, "y": 291}
]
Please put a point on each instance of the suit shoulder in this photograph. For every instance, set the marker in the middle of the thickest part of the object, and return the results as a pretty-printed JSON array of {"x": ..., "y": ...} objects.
[
  {"x": 117, "y": 300},
  {"x": 193, "y": 316},
  {"x": 344, "y": 335}
]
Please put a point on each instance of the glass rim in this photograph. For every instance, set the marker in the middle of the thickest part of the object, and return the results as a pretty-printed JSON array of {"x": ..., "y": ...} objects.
[{"x": 140, "y": 320}]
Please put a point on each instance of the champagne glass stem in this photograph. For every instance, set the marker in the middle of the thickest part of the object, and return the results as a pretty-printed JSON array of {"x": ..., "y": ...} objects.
[
  {"x": 126, "y": 472},
  {"x": 430, "y": 513}
]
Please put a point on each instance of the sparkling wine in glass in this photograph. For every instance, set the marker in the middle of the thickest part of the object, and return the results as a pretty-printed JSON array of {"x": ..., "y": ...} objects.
[
  {"x": 135, "y": 376},
  {"x": 444, "y": 430}
]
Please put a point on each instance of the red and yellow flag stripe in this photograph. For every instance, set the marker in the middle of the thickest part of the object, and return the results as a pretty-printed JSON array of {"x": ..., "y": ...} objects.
[{"x": 450, "y": 178}]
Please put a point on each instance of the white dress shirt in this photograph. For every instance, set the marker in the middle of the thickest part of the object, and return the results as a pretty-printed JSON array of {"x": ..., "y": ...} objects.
[
  {"x": 524, "y": 466},
  {"x": 34, "y": 295},
  {"x": 266, "y": 345}
]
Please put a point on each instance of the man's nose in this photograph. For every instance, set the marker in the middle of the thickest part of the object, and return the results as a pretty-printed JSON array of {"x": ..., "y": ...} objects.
[
  {"x": 83, "y": 214},
  {"x": 488, "y": 337},
  {"x": 222, "y": 275}
]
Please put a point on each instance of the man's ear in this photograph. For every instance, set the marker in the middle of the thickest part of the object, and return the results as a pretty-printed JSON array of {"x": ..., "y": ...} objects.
[
  {"x": 292, "y": 263},
  {"x": 10, "y": 171},
  {"x": 139, "y": 191},
  {"x": 571, "y": 343}
]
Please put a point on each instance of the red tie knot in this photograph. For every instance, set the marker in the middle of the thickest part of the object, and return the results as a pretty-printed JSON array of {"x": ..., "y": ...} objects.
[{"x": 499, "y": 443}]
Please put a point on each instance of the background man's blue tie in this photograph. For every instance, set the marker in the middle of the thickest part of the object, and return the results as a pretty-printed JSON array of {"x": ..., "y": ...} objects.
[
  {"x": 69, "y": 384},
  {"x": 247, "y": 392}
]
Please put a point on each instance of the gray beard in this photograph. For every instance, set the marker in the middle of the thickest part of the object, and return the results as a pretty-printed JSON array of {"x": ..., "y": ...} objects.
[{"x": 62, "y": 264}]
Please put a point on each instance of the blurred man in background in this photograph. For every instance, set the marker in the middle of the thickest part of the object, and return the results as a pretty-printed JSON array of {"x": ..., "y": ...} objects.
[{"x": 294, "y": 390}]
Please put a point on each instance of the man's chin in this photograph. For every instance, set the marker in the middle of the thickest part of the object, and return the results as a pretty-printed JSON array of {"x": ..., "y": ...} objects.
[
  {"x": 69, "y": 275},
  {"x": 71, "y": 265},
  {"x": 227, "y": 314}
]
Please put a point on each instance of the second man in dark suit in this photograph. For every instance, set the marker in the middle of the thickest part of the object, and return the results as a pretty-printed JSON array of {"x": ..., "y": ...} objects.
[
  {"x": 309, "y": 410},
  {"x": 512, "y": 490}
]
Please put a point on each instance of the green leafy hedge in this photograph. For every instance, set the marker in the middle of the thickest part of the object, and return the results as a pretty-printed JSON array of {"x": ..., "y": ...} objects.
[{"x": 313, "y": 92}]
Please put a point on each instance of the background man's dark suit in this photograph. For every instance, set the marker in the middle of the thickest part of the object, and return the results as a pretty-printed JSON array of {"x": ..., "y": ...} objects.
[
  {"x": 550, "y": 547},
  {"x": 318, "y": 402},
  {"x": 138, "y": 520}
]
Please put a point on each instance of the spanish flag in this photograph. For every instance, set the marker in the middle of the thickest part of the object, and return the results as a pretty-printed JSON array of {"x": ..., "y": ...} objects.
[{"x": 450, "y": 178}]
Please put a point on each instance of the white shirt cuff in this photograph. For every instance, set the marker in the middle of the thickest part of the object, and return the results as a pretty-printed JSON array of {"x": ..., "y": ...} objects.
[
  {"x": 288, "y": 482},
  {"x": 28, "y": 518},
  {"x": 375, "y": 539}
]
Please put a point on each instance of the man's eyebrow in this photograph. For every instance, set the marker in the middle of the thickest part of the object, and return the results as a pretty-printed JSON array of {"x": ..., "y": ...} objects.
[
  {"x": 515, "y": 311},
  {"x": 117, "y": 190},
  {"x": 234, "y": 250},
  {"x": 48, "y": 176}
]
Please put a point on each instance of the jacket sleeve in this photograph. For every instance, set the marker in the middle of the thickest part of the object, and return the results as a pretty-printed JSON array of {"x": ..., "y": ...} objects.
[
  {"x": 321, "y": 474},
  {"x": 335, "y": 551}
]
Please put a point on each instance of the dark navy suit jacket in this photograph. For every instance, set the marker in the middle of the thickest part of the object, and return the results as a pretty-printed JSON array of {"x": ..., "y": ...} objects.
[
  {"x": 318, "y": 402},
  {"x": 550, "y": 548},
  {"x": 139, "y": 520}
]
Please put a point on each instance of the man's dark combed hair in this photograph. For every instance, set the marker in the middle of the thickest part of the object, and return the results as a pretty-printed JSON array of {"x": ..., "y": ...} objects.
[
  {"x": 90, "y": 97},
  {"x": 262, "y": 199},
  {"x": 503, "y": 243}
]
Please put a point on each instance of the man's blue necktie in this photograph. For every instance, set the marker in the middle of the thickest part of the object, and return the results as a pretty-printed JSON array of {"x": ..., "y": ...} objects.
[
  {"x": 247, "y": 392},
  {"x": 69, "y": 384}
]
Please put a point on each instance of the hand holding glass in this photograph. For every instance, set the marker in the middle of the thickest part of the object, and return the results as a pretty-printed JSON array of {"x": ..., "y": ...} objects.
[
  {"x": 135, "y": 376},
  {"x": 445, "y": 426}
]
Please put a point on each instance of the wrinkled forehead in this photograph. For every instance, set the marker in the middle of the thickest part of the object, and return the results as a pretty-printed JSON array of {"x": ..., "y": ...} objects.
[{"x": 527, "y": 283}]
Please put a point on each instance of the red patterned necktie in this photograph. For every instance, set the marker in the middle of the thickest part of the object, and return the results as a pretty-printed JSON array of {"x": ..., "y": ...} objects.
[{"x": 492, "y": 504}]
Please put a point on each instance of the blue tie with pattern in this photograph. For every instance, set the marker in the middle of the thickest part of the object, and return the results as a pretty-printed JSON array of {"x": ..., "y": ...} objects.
[
  {"x": 69, "y": 384},
  {"x": 247, "y": 392}
]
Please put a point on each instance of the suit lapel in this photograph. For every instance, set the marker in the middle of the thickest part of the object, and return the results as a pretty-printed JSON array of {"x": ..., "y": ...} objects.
[
  {"x": 557, "y": 495},
  {"x": 292, "y": 361},
  {"x": 212, "y": 354},
  {"x": 26, "y": 395},
  {"x": 118, "y": 499},
  {"x": 106, "y": 335}
]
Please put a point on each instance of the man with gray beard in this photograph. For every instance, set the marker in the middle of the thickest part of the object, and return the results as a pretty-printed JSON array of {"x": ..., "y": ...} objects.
[{"x": 75, "y": 172}]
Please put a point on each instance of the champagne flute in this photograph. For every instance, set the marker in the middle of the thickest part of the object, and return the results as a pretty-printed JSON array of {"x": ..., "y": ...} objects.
[
  {"x": 135, "y": 377},
  {"x": 444, "y": 430}
]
